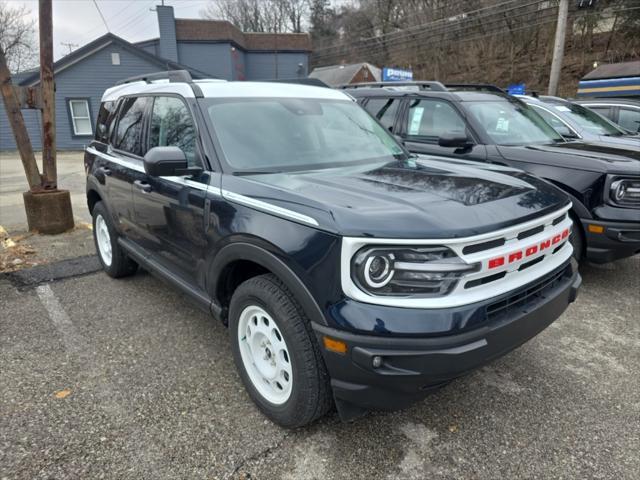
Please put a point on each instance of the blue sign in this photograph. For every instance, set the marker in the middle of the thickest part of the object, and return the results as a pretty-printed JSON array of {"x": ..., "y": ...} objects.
[
  {"x": 516, "y": 89},
  {"x": 396, "y": 75}
]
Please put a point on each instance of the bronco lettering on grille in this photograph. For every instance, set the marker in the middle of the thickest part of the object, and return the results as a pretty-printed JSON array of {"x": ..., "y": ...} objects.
[{"x": 519, "y": 255}]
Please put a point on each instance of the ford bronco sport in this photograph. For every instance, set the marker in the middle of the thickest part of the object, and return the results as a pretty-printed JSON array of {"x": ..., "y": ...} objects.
[{"x": 348, "y": 272}]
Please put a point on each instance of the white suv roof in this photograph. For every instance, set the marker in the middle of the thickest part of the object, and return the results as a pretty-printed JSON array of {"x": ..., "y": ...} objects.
[{"x": 220, "y": 88}]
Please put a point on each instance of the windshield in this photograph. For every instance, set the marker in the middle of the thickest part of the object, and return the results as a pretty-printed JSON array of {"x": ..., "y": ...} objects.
[
  {"x": 588, "y": 119},
  {"x": 512, "y": 123},
  {"x": 275, "y": 134}
]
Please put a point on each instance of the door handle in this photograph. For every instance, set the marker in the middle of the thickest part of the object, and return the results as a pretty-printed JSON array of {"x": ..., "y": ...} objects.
[
  {"x": 144, "y": 186},
  {"x": 105, "y": 171}
]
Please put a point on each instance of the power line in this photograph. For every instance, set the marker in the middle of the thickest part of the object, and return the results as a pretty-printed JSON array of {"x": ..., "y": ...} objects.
[
  {"x": 95, "y": 2},
  {"x": 546, "y": 19},
  {"x": 463, "y": 16},
  {"x": 404, "y": 37}
]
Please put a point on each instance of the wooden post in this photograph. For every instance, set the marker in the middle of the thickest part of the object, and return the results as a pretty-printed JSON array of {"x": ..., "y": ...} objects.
[
  {"x": 16, "y": 120},
  {"x": 47, "y": 85}
]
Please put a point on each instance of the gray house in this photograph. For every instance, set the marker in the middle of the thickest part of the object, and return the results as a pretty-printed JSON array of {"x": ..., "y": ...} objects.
[{"x": 206, "y": 48}]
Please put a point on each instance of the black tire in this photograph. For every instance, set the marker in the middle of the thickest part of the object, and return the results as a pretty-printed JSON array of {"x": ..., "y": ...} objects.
[
  {"x": 121, "y": 265},
  {"x": 577, "y": 240},
  {"x": 310, "y": 396}
]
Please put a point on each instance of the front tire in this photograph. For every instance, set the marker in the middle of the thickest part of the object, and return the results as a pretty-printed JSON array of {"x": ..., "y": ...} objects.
[
  {"x": 113, "y": 258},
  {"x": 276, "y": 354}
]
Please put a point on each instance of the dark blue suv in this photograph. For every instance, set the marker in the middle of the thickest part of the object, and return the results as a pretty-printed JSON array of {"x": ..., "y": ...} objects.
[{"x": 348, "y": 271}]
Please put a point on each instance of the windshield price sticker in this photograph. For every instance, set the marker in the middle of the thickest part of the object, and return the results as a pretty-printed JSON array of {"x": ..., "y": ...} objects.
[
  {"x": 503, "y": 125},
  {"x": 416, "y": 119}
]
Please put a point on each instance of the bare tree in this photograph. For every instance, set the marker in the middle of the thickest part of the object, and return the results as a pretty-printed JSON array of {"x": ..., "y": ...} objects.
[
  {"x": 18, "y": 37},
  {"x": 261, "y": 15}
]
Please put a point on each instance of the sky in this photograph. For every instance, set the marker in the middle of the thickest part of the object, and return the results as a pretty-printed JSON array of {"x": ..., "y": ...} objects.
[{"x": 78, "y": 21}]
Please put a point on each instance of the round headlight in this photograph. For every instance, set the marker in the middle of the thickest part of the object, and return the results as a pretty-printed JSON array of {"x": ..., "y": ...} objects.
[
  {"x": 378, "y": 271},
  {"x": 619, "y": 191}
]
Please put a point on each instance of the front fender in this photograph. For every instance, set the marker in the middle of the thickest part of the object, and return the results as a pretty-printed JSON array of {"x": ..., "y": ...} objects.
[{"x": 244, "y": 250}]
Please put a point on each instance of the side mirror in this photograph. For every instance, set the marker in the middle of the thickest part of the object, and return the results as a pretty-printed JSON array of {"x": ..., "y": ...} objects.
[
  {"x": 165, "y": 162},
  {"x": 102, "y": 130},
  {"x": 454, "y": 140}
]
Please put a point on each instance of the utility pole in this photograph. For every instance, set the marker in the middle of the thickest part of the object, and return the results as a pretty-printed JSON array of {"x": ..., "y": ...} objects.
[
  {"x": 49, "y": 171},
  {"x": 558, "y": 47}
]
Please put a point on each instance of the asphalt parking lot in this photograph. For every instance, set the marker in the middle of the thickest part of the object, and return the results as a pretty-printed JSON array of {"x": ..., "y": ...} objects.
[{"x": 107, "y": 378}]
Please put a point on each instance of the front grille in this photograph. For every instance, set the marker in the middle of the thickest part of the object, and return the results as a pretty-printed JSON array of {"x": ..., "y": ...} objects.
[{"x": 529, "y": 295}]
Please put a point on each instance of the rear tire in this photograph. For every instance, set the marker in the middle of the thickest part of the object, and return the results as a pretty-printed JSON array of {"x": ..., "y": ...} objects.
[
  {"x": 113, "y": 258},
  {"x": 276, "y": 353}
]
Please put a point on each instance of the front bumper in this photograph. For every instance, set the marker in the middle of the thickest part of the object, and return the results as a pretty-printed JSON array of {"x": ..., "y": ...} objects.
[
  {"x": 411, "y": 367},
  {"x": 617, "y": 240}
]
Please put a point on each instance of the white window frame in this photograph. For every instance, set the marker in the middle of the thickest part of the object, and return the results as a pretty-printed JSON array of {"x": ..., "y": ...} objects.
[{"x": 74, "y": 118}]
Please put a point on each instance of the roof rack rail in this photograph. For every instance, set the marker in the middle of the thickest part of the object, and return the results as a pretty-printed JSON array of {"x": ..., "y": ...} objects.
[
  {"x": 314, "y": 82},
  {"x": 487, "y": 87},
  {"x": 420, "y": 85},
  {"x": 174, "y": 76}
]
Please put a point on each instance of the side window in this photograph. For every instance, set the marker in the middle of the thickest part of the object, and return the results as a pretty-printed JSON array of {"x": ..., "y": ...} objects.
[
  {"x": 384, "y": 109},
  {"x": 604, "y": 111},
  {"x": 629, "y": 119},
  {"x": 172, "y": 126},
  {"x": 557, "y": 124},
  {"x": 432, "y": 118},
  {"x": 105, "y": 121},
  {"x": 130, "y": 125}
]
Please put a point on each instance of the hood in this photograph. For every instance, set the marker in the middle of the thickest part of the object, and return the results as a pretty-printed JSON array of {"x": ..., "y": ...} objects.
[
  {"x": 577, "y": 155},
  {"x": 625, "y": 142},
  {"x": 421, "y": 198}
]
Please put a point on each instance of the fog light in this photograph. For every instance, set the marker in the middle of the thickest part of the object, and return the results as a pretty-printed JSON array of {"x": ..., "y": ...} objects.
[{"x": 377, "y": 362}]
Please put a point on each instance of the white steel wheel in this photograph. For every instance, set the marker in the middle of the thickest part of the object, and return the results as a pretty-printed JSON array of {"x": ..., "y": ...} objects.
[
  {"x": 265, "y": 355},
  {"x": 103, "y": 239}
]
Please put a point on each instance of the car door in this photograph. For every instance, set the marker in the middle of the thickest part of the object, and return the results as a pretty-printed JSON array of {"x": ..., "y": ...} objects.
[
  {"x": 169, "y": 211},
  {"x": 426, "y": 119},
  {"x": 123, "y": 161}
]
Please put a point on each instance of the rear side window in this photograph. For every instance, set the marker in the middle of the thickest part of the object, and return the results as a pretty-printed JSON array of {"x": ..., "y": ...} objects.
[
  {"x": 384, "y": 109},
  {"x": 105, "y": 121},
  {"x": 172, "y": 126},
  {"x": 131, "y": 125},
  {"x": 629, "y": 119},
  {"x": 604, "y": 111},
  {"x": 432, "y": 118}
]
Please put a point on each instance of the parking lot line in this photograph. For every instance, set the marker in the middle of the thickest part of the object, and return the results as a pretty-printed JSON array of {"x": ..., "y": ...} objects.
[{"x": 72, "y": 340}]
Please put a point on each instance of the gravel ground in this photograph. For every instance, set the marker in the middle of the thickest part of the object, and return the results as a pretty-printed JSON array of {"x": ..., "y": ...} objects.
[{"x": 107, "y": 378}]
